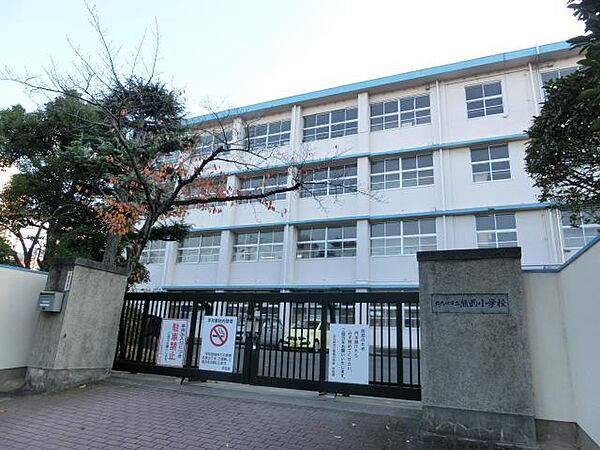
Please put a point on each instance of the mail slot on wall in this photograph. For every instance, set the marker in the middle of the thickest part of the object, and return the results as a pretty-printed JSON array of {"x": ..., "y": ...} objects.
[{"x": 50, "y": 301}]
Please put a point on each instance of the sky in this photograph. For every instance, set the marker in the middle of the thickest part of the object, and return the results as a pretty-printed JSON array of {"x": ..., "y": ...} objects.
[{"x": 235, "y": 53}]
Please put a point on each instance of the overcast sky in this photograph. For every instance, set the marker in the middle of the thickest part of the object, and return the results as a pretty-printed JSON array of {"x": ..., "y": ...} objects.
[{"x": 243, "y": 52}]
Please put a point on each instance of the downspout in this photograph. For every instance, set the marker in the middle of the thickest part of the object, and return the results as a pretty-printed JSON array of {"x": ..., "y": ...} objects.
[{"x": 557, "y": 253}]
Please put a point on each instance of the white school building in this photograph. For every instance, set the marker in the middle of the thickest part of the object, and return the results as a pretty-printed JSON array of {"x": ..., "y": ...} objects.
[{"x": 424, "y": 160}]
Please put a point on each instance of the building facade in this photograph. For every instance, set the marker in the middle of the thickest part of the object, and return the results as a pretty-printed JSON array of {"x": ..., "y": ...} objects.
[{"x": 425, "y": 160}]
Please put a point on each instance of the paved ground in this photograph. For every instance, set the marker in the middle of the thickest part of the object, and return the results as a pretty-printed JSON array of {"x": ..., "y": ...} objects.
[{"x": 124, "y": 414}]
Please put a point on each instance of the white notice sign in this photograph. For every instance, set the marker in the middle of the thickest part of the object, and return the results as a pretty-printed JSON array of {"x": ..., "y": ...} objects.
[
  {"x": 172, "y": 342},
  {"x": 218, "y": 343},
  {"x": 349, "y": 354}
]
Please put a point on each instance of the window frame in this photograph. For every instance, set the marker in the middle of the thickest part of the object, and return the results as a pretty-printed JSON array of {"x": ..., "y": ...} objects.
[
  {"x": 182, "y": 249},
  {"x": 215, "y": 138},
  {"x": 262, "y": 187},
  {"x": 325, "y": 242},
  {"x": 400, "y": 172},
  {"x": 398, "y": 113},
  {"x": 484, "y": 98},
  {"x": 582, "y": 226},
  {"x": 259, "y": 243},
  {"x": 267, "y": 145},
  {"x": 146, "y": 257},
  {"x": 347, "y": 131},
  {"x": 542, "y": 83},
  {"x": 490, "y": 162},
  {"x": 496, "y": 230},
  {"x": 307, "y": 190},
  {"x": 401, "y": 237}
]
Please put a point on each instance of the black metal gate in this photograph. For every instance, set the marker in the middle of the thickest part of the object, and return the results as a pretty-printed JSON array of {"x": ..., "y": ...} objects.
[{"x": 282, "y": 339}]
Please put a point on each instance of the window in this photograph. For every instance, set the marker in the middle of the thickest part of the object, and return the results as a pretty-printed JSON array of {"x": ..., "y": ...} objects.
[
  {"x": 326, "y": 242},
  {"x": 407, "y": 111},
  {"x": 552, "y": 75},
  {"x": 199, "y": 249},
  {"x": 411, "y": 171},
  {"x": 411, "y": 315},
  {"x": 403, "y": 237},
  {"x": 330, "y": 181},
  {"x": 382, "y": 315},
  {"x": 209, "y": 189},
  {"x": 484, "y": 99},
  {"x": 579, "y": 232},
  {"x": 154, "y": 253},
  {"x": 332, "y": 124},
  {"x": 269, "y": 135},
  {"x": 209, "y": 142},
  {"x": 496, "y": 230},
  {"x": 490, "y": 163},
  {"x": 258, "y": 245},
  {"x": 264, "y": 183}
]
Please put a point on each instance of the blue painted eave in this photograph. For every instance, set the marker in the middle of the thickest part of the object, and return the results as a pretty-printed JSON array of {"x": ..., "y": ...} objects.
[{"x": 413, "y": 75}]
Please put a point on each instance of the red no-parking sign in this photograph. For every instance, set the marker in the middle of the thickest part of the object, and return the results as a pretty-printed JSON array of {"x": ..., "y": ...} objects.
[{"x": 218, "y": 343}]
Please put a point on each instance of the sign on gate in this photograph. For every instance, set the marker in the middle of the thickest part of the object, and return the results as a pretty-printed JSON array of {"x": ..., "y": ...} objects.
[
  {"x": 172, "y": 342},
  {"x": 218, "y": 343},
  {"x": 349, "y": 354}
]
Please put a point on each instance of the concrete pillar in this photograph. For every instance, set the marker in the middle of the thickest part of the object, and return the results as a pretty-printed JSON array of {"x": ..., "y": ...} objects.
[
  {"x": 364, "y": 123},
  {"x": 225, "y": 257},
  {"x": 169, "y": 264},
  {"x": 229, "y": 212},
  {"x": 476, "y": 374},
  {"x": 77, "y": 345},
  {"x": 363, "y": 257},
  {"x": 296, "y": 130},
  {"x": 363, "y": 179},
  {"x": 289, "y": 254}
]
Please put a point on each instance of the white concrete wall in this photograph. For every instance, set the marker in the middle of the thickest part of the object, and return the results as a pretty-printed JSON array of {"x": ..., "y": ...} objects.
[
  {"x": 564, "y": 331},
  {"x": 19, "y": 290}
]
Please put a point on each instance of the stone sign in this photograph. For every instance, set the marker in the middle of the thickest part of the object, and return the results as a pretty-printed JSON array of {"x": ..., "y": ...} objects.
[{"x": 470, "y": 303}]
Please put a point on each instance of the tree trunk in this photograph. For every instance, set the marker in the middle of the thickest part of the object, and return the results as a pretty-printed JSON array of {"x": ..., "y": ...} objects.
[{"x": 111, "y": 250}]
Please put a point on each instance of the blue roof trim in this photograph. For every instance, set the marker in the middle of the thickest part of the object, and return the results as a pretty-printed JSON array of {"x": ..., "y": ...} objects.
[
  {"x": 23, "y": 269},
  {"x": 182, "y": 287},
  {"x": 422, "y": 148},
  {"x": 570, "y": 261},
  {"x": 450, "y": 212},
  {"x": 383, "y": 81}
]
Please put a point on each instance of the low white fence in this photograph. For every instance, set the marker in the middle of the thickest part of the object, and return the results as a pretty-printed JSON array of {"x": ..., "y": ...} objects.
[
  {"x": 564, "y": 335},
  {"x": 19, "y": 290}
]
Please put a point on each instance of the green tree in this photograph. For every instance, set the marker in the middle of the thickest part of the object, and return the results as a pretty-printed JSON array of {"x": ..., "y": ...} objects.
[
  {"x": 7, "y": 255},
  {"x": 153, "y": 170},
  {"x": 563, "y": 153},
  {"x": 43, "y": 204}
]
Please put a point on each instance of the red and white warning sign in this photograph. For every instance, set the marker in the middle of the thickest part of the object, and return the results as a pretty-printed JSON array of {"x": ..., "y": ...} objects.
[{"x": 218, "y": 343}]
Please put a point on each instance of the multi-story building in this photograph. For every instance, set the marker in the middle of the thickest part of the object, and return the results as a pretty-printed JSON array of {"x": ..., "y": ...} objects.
[{"x": 429, "y": 159}]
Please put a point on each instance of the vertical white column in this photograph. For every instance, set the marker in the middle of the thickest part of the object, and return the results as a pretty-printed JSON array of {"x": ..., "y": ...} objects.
[
  {"x": 229, "y": 212},
  {"x": 364, "y": 123},
  {"x": 554, "y": 222},
  {"x": 442, "y": 172},
  {"x": 289, "y": 254},
  {"x": 237, "y": 132},
  {"x": 169, "y": 264},
  {"x": 362, "y": 252},
  {"x": 363, "y": 171},
  {"x": 535, "y": 110},
  {"x": 296, "y": 128},
  {"x": 225, "y": 257}
]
